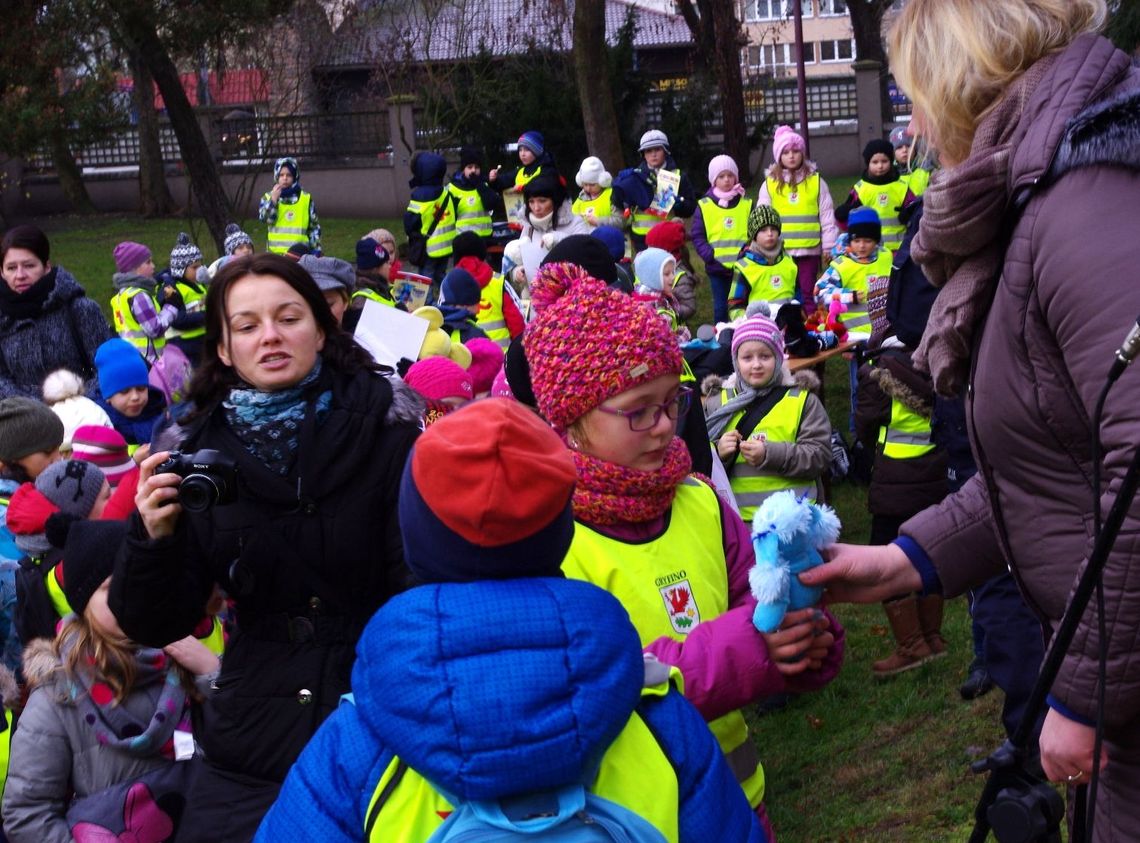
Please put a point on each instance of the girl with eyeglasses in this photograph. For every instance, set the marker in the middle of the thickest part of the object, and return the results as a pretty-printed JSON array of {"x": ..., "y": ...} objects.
[{"x": 605, "y": 371}]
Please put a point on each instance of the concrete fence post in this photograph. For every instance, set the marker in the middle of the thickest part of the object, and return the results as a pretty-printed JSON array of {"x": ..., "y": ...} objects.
[{"x": 869, "y": 100}]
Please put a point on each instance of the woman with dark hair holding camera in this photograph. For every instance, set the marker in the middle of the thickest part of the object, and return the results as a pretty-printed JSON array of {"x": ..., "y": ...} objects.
[
  {"x": 1036, "y": 119},
  {"x": 307, "y": 550}
]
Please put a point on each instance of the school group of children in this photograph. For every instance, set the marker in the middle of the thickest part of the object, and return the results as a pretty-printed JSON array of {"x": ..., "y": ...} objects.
[{"x": 571, "y": 524}]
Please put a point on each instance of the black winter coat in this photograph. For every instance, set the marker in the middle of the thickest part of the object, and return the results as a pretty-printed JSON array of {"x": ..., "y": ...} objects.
[{"x": 307, "y": 559}]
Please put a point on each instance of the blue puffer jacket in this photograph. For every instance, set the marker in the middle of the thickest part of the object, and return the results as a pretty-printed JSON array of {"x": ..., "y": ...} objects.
[{"x": 496, "y": 688}]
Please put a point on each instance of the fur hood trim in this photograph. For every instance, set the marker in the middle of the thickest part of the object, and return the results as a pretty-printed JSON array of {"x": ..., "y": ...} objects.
[
  {"x": 407, "y": 406},
  {"x": 1104, "y": 134},
  {"x": 9, "y": 689},
  {"x": 40, "y": 662},
  {"x": 897, "y": 389},
  {"x": 711, "y": 385},
  {"x": 808, "y": 380}
]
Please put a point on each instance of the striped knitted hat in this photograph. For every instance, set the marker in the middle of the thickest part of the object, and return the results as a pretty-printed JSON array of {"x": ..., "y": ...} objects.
[
  {"x": 761, "y": 216},
  {"x": 590, "y": 343},
  {"x": 183, "y": 254},
  {"x": 105, "y": 448},
  {"x": 759, "y": 328}
]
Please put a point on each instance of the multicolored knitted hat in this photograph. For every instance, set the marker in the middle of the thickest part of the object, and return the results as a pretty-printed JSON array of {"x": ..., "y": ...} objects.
[
  {"x": 761, "y": 216},
  {"x": 590, "y": 343},
  {"x": 183, "y": 254},
  {"x": 235, "y": 237},
  {"x": 759, "y": 328}
]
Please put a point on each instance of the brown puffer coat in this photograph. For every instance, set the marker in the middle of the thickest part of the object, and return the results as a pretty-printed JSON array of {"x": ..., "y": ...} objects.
[{"x": 1068, "y": 294}]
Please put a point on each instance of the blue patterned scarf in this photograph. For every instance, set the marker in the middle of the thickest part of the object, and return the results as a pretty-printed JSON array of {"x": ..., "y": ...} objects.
[{"x": 269, "y": 423}]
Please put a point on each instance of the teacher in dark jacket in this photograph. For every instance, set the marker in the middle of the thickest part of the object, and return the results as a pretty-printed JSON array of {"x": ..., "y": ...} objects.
[
  {"x": 1025, "y": 102},
  {"x": 309, "y": 549},
  {"x": 46, "y": 320}
]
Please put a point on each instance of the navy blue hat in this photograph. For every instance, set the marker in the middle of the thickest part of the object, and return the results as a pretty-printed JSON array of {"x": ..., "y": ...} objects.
[
  {"x": 459, "y": 288},
  {"x": 370, "y": 254},
  {"x": 864, "y": 222},
  {"x": 468, "y": 244},
  {"x": 89, "y": 558},
  {"x": 613, "y": 238}
]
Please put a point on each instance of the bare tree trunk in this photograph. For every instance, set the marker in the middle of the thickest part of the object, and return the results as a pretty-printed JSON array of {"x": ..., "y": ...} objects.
[
  {"x": 591, "y": 69},
  {"x": 719, "y": 37},
  {"x": 137, "y": 25},
  {"x": 154, "y": 194},
  {"x": 728, "y": 37},
  {"x": 69, "y": 174},
  {"x": 867, "y": 27}
]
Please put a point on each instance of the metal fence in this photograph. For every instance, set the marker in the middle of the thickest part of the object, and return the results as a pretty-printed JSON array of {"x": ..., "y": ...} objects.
[
  {"x": 237, "y": 136},
  {"x": 830, "y": 99}
]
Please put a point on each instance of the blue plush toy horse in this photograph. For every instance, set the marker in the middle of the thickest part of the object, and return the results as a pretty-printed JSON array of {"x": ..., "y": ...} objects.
[{"x": 788, "y": 533}]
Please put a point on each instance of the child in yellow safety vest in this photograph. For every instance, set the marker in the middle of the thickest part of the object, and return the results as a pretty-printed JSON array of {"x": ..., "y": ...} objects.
[
  {"x": 910, "y": 163},
  {"x": 596, "y": 203},
  {"x": 764, "y": 271},
  {"x": 795, "y": 188},
  {"x": 862, "y": 266},
  {"x": 474, "y": 199},
  {"x": 135, "y": 310},
  {"x": 500, "y": 314},
  {"x": 606, "y": 372},
  {"x": 429, "y": 220},
  {"x": 184, "y": 288},
  {"x": 289, "y": 211},
  {"x": 770, "y": 432},
  {"x": 534, "y": 161},
  {"x": 719, "y": 230},
  {"x": 883, "y": 189}
]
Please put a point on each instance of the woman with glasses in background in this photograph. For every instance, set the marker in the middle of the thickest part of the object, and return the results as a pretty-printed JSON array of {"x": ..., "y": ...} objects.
[{"x": 606, "y": 374}]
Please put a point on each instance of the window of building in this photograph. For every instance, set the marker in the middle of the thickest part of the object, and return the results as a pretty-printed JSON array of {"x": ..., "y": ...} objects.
[
  {"x": 829, "y": 8},
  {"x": 773, "y": 10},
  {"x": 836, "y": 51},
  {"x": 770, "y": 58}
]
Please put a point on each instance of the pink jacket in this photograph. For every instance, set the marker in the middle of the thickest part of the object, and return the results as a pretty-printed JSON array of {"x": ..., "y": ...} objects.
[{"x": 724, "y": 660}]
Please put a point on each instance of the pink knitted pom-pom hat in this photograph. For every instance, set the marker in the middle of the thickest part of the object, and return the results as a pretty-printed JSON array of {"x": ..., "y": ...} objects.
[{"x": 591, "y": 343}]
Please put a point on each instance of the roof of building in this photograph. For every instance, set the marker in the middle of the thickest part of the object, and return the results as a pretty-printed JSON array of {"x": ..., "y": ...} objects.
[
  {"x": 461, "y": 28},
  {"x": 233, "y": 87}
]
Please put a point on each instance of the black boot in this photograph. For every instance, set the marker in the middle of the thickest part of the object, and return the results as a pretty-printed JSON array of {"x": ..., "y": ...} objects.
[{"x": 978, "y": 682}]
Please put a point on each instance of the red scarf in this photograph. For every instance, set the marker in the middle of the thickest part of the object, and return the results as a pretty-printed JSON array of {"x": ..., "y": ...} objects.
[{"x": 608, "y": 493}]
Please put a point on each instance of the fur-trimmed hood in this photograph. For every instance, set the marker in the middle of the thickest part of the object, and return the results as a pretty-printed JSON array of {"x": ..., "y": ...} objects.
[
  {"x": 1107, "y": 133},
  {"x": 40, "y": 663},
  {"x": 898, "y": 378}
]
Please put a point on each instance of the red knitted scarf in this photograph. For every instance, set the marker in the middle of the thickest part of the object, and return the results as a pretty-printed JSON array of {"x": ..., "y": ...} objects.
[{"x": 608, "y": 493}]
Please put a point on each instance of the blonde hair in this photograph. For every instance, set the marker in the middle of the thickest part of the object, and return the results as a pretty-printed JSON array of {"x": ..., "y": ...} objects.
[{"x": 956, "y": 58}]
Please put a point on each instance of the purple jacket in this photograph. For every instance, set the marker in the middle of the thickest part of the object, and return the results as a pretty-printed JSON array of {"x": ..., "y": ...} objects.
[
  {"x": 1040, "y": 364},
  {"x": 724, "y": 659}
]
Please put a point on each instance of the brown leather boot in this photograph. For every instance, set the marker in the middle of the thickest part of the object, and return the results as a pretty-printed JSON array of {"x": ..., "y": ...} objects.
[
  {"x": 930, "y": 619},
  {"x": 912, "y": 649}
]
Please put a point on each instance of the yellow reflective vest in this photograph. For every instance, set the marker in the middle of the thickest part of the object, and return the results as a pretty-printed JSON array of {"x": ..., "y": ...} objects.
[
  {"x": 470, "y": 215},
  {"x": 439, "y": 243},
  {"x": 907, "y": 435},
  {"x": 773, "y": 283},
  {"x": 750, "y": 485},
  {"x": 857, "y": 276},
  {"x": 726, "y": 229},
  {"x": 292, "y": 224},
  {"x": 887, "y": 201},
  {"x": 598, "y": 208},
  {"x": 668, "y": 584},
  {"x": 194, "y": 300},
  {"x": 917, "y": 180},
  {"x": 490, "y": 316},
  {"x": 798, "y": 208},
  {"x": 363, "y": 295},
  {"x": 634, "y": 773},
  {"x": 643, "y": 220},
  {"x": 128, "y": 327}
]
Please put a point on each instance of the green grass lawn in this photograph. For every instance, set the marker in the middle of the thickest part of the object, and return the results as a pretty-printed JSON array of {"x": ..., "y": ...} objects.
[
  {"x": 84, "y": 244},
  {"x": 859, "y": 761}
]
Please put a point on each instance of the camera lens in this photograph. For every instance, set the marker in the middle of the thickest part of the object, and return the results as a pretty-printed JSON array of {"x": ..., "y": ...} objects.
[{"x": 198, "y": 492}]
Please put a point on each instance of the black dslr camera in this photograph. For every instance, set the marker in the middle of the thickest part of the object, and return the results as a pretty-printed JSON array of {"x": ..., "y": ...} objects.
[{"x": 209, "y": 478}]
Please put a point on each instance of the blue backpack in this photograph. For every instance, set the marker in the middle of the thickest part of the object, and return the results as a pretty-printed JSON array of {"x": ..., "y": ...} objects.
[{"x": 568, "y": 815}]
